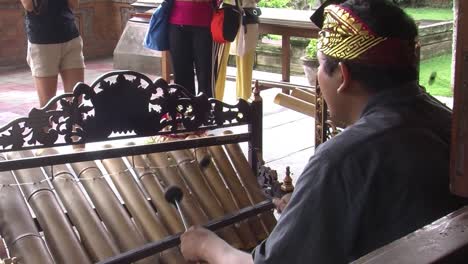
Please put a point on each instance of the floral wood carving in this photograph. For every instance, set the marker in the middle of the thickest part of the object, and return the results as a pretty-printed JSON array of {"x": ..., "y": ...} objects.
[{"x": 117, "y": 105}]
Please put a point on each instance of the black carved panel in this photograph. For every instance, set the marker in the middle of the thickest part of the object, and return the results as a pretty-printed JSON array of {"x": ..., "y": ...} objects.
[{"x": 117, "y": 105}]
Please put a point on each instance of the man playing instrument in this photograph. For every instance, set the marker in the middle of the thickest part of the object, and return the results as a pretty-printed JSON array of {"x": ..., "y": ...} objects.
[{"x": 385, "y": 175}]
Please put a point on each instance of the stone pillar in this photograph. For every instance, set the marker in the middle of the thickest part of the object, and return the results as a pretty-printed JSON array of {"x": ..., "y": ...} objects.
[
  {"x": 101, "y": 23},
  {"x": 130, "y": 54}
]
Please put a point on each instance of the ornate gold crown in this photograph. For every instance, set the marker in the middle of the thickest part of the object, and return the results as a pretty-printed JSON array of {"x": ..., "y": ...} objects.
[{"x": 345, "y": 36}]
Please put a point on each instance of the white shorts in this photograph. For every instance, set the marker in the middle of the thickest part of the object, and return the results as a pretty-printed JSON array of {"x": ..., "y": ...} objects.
[{"x": 47, "y": 60}]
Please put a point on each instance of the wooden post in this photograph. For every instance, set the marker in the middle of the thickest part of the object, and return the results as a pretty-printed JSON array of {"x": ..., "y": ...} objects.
[
  {"x": 459, "y": 151},
  {"x": 165, "y": 66},
  {"x": 285, "y": 60},
  {"x": 255, "y": 154}
]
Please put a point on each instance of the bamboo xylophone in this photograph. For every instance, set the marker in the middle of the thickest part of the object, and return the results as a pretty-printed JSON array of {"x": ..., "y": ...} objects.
[
  {"x": 107, "y": 204},
  {"x": 89, "y": 211}
]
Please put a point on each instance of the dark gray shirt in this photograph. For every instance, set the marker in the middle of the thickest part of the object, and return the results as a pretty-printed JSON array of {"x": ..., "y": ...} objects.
[
  {"x": 380, "y": 179},
  {"x": 53, "y": 23}
]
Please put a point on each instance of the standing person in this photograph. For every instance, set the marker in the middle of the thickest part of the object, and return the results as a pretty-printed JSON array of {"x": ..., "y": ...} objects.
[
  {"x": 54, "y": 46},
  {"x": 190, "y": 44},
  {"x": 244, "y": 50},
  {"x": 371, "y": 184}
]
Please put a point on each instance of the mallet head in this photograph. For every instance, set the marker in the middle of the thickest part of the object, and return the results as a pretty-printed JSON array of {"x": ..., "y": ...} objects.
[{"x": 173, "y": 194}]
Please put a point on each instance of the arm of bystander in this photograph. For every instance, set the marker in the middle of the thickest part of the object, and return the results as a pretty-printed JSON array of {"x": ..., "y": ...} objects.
[
  {"x": 28, "y": 5},
  {"x": 73, "y": 4}
]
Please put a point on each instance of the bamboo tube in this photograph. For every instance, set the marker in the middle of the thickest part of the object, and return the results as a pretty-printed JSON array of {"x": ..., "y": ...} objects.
[
  {"x": 170, "y": 176},
  {"x": 307, "y": 90},
  {"x": 134, "y": 199},
  {"x": 144, "y": 216},
  {"x": 59, "y": 235},
  {"x": 110, "y": 210},
  {"x": 166, "y": 211},
  {"x": 239, "y": 193},
  {"x": 249, "y": 180},
  {"x": 295, "y": 104},
  {"x": 224, "y": 195},
  {"x": 303, "y": 95},
  {"x": 94, "y": 237},
  {"x": 210, "y": 205},
  {"x": 16, "y": 224}
]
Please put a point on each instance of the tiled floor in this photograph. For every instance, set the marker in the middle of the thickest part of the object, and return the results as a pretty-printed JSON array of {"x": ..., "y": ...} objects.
[{"x": 288, "y": 135}]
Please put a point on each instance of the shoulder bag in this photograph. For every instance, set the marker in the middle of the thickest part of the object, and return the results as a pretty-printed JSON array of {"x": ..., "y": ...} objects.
[
  {"x": 157, "y": 36},
  {"x": 226, "y": 22}
]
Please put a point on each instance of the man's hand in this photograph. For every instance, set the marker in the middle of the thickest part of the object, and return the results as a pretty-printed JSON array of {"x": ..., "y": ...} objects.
[
  {"x": 198, "y": 244},
  {"x": 282, "y": 202}
]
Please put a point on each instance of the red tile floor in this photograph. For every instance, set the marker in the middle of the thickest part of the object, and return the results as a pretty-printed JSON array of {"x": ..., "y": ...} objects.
[{"x": 18, "y": 95}]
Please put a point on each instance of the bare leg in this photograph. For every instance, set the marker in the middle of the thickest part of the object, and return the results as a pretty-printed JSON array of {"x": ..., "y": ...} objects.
[
  {"x": 46, "y": 88},
  {"x": 70, "y": 77}
]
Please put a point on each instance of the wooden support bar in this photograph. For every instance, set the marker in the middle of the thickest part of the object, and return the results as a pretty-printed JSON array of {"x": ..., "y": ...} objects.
[
  {"x": 444, "y": 241},
  {"x": 22, "y": 163}
]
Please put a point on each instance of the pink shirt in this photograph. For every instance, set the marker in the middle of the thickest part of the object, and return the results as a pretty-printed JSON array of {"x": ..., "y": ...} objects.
[{"x": 191, "y": 12}]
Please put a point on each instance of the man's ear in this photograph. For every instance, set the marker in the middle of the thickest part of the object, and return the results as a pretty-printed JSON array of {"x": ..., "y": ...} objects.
[{"x": 345, "y": 78}]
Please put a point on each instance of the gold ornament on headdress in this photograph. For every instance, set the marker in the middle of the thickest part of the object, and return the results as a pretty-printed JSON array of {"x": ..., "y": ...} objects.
[{"x": 344, "y": 36}]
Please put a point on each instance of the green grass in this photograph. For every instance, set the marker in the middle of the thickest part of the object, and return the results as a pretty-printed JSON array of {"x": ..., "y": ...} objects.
[
  {"x": 439, "y": 67},
  {"x": 442, "y": 67},
  {"x": 430, "y": 13}
]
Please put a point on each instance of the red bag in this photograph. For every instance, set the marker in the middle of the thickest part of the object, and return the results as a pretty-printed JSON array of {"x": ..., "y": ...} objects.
[{"x": 225, "y": 23}]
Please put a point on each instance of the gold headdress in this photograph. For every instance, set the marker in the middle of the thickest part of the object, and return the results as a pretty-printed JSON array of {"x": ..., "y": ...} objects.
[{"x": 344, "y": 36}]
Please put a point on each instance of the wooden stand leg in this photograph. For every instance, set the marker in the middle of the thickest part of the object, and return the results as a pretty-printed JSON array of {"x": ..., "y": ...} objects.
[{"x": 166, "y": 66}]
